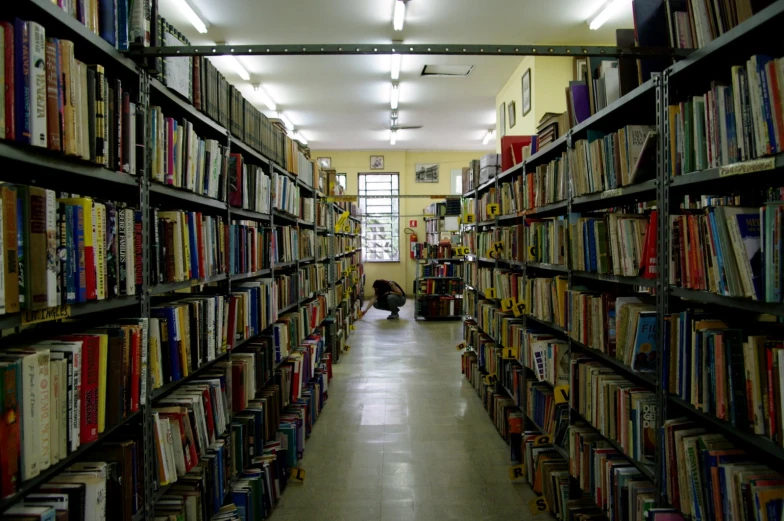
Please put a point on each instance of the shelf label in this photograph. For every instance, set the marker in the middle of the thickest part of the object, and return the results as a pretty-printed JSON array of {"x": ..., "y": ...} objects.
[
  {"x": 45, "y": 315},
  {"x": 469, "y": 218},
  {"x": 347, "y": 348},
  {"x": 346, "y": 228},
  {"x": 490, "y": 293},
  {"x": 462, "y": 251},
  {"x": 460, "y": 346},
  {"x": 507, "y": 304},
  {"x": 748, "y": 167},
  {"x": 297, "y": 474},
  {"x": 561, "y": 394},
  {"x": 517, "y": 472},
  {"x": 532, "y": 253},
  {"x": 341, "y": 221},
  {"x": 615, "y": 192},
  {"x": 352, "y": 327},
  {"x": 518, "y": 309},
  {"x": 509, "y": 353},
  {"x": 491, "y": 379},
  {"x": 542, "y": 440},
  {"x": 342, "y": 199},
  {"x": 538, "y": 505},
  {"x": 493, "y": 210}
]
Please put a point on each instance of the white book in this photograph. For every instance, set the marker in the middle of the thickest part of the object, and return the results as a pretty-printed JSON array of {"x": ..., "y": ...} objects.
[
  {"x": 211, "y": 329},
  {"x": 156, "y": 356},
  {"x": 31, "y": 421},
  {"x": 51, "y": 249},
  {"x": 177, "y": 455},
  {"x": 145, "y": 346},
  {"x": 37, "y": 80},
  {"x": 130, "y": 257},
  {"x": 164, "y": 474},
  {"x": 95, "y": 493},
  {"x": 73, "y": 351}
]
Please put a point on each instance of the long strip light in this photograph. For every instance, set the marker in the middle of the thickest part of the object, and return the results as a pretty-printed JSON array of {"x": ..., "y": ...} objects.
[
  {"x": 394, "y": 98},
  {"x": 193, "y": 17},
  {"x": 488, "y": 136},
  {"x": 296, "y": 134},
  {"x": 264, "y": 97},
  {"x": 393, "y": 137},
  {"x": 400, "y": 15},
  {"x": 396, "y": 62},
  {"x": 286, "y": 121},
  {"x": 238, "y": 68},
  {"x": 603, "y": 14}
]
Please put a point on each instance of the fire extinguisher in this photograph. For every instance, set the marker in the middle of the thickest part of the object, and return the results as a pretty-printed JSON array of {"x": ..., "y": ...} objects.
[{"x": 412, "y": 240}]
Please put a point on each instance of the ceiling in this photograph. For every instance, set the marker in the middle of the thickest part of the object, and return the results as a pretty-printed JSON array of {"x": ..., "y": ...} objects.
[{"x": 342, "y": 102}]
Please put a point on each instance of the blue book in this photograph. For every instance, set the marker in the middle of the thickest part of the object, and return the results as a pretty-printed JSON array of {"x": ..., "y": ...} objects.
[
  {"x": 719, "y": 253},
  {"x": 107, "y": 21},
  {"x": 711, "y": 355},
  {"x": 22, "y": 100},
  {"x": 644, "y": 357},
  {"x": 122, "y": 25},
  {"x": 241, "y": 497},
  {"x": 80, "y": 280},
  {"x": 592, "y": 245},
  {"x": 72, "y": 260},
  {"x": 168, "y": 315},
  {"x": 232, "y": 250},
  {"x": 760, "y": 62},
  {"x": 195, "y": 273}
]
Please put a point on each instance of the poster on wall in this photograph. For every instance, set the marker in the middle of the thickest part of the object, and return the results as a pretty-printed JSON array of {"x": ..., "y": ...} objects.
[{"x": 427, "y": 172}]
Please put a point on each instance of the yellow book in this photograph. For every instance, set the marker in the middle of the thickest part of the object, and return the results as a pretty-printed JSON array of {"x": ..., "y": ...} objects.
[
  {"x": 186, "y": 243},
  {"x": 103, "y": 356},
  {"x": 182, "y": 336},
  {"x": 154, "y": 353},
  {"x": 561, "y": 284},
  {"x": 100, "y": 250}
]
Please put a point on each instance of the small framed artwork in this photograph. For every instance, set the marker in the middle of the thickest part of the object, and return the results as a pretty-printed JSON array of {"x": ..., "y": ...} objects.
[
  {"x": 581, "y": 69},
  {"x": 512, "y": 114},
  {"x": 526, "y": 92},
  {"x": 325, "y": 162},
  {"x": 376, "y": 162},
  {"x": 502, "y": 119}
]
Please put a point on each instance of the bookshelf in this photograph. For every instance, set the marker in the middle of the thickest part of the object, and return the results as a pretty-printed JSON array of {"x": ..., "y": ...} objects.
[
  {"x": 322, "y": 290},
  {"x": 658, "y": 288}
]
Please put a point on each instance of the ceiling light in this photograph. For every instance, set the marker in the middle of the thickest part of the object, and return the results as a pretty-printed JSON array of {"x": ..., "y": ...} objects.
[
  {"x": 400, "y": 15},
  {"x": 264, "y": 97},
  {"x": 603, "y": 14},
  {"x": 395, "y": 96},
  {"x": 286, "y": 121},
  {"x": 488, "y": 136},
  {"x": 297, "y": 135},
  {"x": 393, "y": 137},
  {"x": 396, "y": 61},
  {"x": 238, "y": 68},
  {"x": 193, "y": 17}
]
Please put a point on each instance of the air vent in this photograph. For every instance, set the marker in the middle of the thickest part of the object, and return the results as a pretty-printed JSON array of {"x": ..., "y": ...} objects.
[{"x": 447, "y": 71}]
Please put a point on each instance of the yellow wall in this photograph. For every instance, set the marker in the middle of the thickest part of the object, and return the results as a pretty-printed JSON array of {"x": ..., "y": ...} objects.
[
  {"x": 354, "y": 162},
  {"x": 549, "y": 78}
]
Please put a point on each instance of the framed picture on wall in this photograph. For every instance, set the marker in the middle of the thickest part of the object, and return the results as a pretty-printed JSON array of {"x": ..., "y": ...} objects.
[
  {"x": 376, "y": 162},
  {"x": 526, "y": 92},
  {"x": 502, "y": 119},
  {"x": 325, "y": 162},
  {"x": 512, "y": 114}
]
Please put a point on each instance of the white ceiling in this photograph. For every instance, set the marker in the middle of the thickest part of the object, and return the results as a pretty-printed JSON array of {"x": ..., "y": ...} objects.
[{"x": 342, "y": 102}]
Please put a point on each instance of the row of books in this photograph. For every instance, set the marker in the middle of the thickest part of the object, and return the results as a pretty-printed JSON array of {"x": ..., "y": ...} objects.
[
  {"x": 445, "y": 269},
  {"x": 546, "y": 356},
  {"x": 726, "y": 372},
  {"x": 546, "y": 185},
  {"x": 440, "y": 287},
  {"x": 250, "y": 187},
  {"x": 694, "y": 24},
  {"x": 720, "y": 250},
  {"x": 285, "y": 291},
  {"x": 312, "y": 280},
  {"x": 710, "y": 478},
  {"x": 608, "y": 161},
  {"x": 186, "y": 246},
  {"x": 64, "y": 392},
  {"x": 285, "y": 195},
  {"x": 285, "y": 244},
  {"x": 183, "y": 159},
  {"x": 547, "y": 473},
  {"x": 109, "y": 483},
  {"x": 625, "y": 494},
  {"x": 307, "y": 243},
  {"x": 732, "y": 122},
  {"x": 546, "y": 241},
  {"x": 436, "y": 306},
  {"x": 249, "y": 247},
  {"x": 617, "y": 408},
  {"x": 57, "y": 102},
  {"x": 307, "y": 209},
  {"x": 540, "y": 405},
  {"x": 615, "y": 243}
]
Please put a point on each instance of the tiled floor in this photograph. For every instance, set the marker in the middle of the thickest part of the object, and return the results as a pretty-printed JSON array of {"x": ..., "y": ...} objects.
[{"x": 403, "y": 436}]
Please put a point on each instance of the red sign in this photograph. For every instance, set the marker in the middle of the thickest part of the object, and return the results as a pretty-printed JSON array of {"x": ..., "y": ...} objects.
[{"x": 412, "y": 224}]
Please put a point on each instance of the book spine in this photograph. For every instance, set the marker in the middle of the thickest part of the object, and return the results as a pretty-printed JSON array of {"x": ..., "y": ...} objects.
[
  {"x": 10, "y": 386},
  {"x": 130, "y": 258},
  {"x": 62, "y": 254},
  {"x": 22, "y": 101},
  {"x": 80, "y": 278},
  {"x": 52, "y": 260},
  {"x": 99, "y": 248},
  {"x": 112, "y": 266},
  {"x": 68, "y": 86},
  {"x": 9, "y": 70},
  {"x": 44, "y": 404},
  {"x": 36, "y": 279},
  {"x": 107, "y": 21},
  {"x": 53, "y": 123},
  {"x": 37, "y": 78},
  {"x": 30, "y": 420},
  {"x": 138, "y": 250},
  {"x": 89, "y": 391}
]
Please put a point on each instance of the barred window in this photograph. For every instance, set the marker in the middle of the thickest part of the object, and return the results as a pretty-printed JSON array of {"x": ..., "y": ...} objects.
[{"x": 378, "y": 200}]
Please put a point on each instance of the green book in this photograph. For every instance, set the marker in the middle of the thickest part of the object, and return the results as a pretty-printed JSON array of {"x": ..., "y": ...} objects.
[{"x": 700, "y": 147}]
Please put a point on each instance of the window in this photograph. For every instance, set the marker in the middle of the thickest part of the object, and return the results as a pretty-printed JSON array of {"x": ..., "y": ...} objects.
[
  {"x": 457, "y": 181},
  {"x": 378, "y": 200},
  {"x": 341, "y": 179}
]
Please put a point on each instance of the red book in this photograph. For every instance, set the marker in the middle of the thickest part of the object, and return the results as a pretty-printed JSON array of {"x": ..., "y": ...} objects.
[
  {"x": 209, "y": 414},
  {"x": 512, "y": 150},
  {"x": 10, "y": 87},
  {"x": 649, "y": 262},
  {"x": 89, "y": 395},
  {"x": 53, "y": 121},
  {"x": 136, "y": 363},
  {"x": 10, "y": 383},
  {"x": 200, "y": 242}
]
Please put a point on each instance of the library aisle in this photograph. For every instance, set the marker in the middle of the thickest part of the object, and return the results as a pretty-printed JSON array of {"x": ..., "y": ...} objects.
[{"x": 404, "y": 437}]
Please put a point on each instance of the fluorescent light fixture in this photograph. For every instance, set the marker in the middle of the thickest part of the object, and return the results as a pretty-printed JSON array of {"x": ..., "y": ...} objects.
[
  {"x": 286, "y": 121},
  {"x": 603, "y": 14},
  {"x": 393, "y": 137},
  {"x": 299, "y": 137},
  {"x": 488, "y": 136},
  {"x": 400, "y": 15},
  {"x": 396, "y": 61},
  {"x": 193, "y": 17},
  {"x": 264, "y": 97},
  {"x": 238, "y": 68},
  {"x": 395, "y": 96}
]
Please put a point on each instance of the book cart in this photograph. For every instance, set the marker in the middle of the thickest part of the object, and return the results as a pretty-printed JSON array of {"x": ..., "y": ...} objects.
[
  {"x": 325, "y": 308},
  {"x": 501, "y": 335}
]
